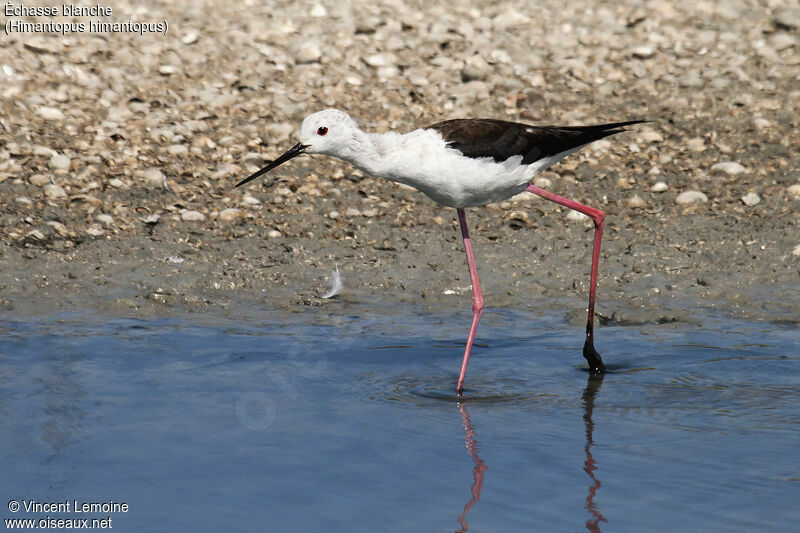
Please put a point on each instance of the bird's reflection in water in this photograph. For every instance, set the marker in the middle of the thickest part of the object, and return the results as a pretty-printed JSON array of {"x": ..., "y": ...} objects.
[
  {"x": 590, "y": 466},
  {"x": 477, "y": 471}
]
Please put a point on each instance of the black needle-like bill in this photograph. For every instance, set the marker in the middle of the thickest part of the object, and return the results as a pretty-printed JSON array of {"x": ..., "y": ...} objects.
[{"x": 294, "y": 151}]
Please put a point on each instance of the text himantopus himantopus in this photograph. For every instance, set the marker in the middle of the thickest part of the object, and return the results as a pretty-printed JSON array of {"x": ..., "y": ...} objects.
[{"x": 462, "y": 163}]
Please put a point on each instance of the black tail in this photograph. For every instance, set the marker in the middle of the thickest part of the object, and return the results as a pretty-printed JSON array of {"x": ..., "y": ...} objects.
[
  {"x": 607, "y": 129},
  {"x": 548, "y": 141}
]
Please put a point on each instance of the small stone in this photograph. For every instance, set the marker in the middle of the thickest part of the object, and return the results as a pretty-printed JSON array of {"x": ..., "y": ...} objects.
[
  {"x": 41, "y": 45},
  {"x": 380, "y": 60},
  {"x": 794, "y": 190},
  {"x": 623, "y": 183},
  {"x": 43, "y": 151},
  {"x": 192, "y": 216},
  {"x": 104, "y": 219},
  {"x": 643, "y": 52},
  {"x": 50, "y": 113},
  {"x": 274, "y": 234},
  {"x": 751, "y": 199},
  {"x": 796, "y": 251},
  {"x": 15, "y": 149},
  {"x": 635, "y": 201},
  {"x": 369, "y": 213},
  {"x": 787, "y": 18},
  {"x": 222, "y": 100},
  {"x": 761, "y": 123},
  {"x": 116, "y": 182},
  {"x": 88, "y": 199},
  {"x": 602, "y": 145},
  {"x": 688, "y": 197},
  {"x": 731, "y": 168},
  {"x": 40, "y": 180},
  {"x": 152, "y": 220},
  {"x": 95, "y": 230},
  {"x": 60, "y": 162},
  {"x": 508, "y": 18},
  {"x": 696, "y": 144},
  {"x": 53, "y": 191},
  {"x": 160, "y": 135},
  {"x": 416, "y": 77},
  {"x": 471, "y": 92},
  {"x": 500, "y": 56},
  {"x": 178, "y": 149},
  {"x": 167, "y": 70},
  {"x": 542, "y": 182},
  {"x": 155, "y": 177},
  {"x": 250, "y": 200},
  {"x": 724, "y": 148},
  {"x": 659, "y": 186},
  {"x": 476, "y": 68},
  {"x": 742, "y": 99},
  {"x": 388, "y": 72},
  {"x": 333, "y": 215},
  {"x": 308, "y": 52},
  {"x": 319, "y": 11},
  {"x": 190, "y": 37},
  {"x": 227, "y": 215},
  {"x": 225, "y": 170},
  {"x": 36, "y": 234},
  {"x": 576, "y": 216},
  {"x": 24, "y": 200},
  {"x": 650, "y": 136},
  {"x": 60, "y": 228},
  {"x": 691, "y": 79},
  {"x": 279, "y": 133},
  {"x": 352, "y": 212}
]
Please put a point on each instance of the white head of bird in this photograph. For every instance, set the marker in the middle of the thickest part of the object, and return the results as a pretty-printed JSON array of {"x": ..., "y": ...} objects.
[{"x": 329, "y": 132}]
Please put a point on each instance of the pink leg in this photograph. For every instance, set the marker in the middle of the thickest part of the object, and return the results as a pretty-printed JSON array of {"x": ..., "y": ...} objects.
[
  {"x": 477, "y": 300},
  {"x": 592, "y": 357},
  {"x": 478, "y": 470}
]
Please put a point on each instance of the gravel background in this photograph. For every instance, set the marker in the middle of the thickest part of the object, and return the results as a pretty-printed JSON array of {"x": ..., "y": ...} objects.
[{"x": 119, "y": 152}]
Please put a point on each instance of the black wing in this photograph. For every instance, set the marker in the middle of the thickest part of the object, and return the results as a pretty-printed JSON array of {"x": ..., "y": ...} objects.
[{"x": 500, "y": 139}]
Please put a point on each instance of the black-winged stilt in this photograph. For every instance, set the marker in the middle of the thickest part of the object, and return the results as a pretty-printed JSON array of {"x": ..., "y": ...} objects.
[{"x": 462, "y": 163}]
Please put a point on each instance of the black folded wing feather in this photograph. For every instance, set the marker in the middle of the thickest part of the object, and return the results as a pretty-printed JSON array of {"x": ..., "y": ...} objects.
[{"x": 500, "y": 139}]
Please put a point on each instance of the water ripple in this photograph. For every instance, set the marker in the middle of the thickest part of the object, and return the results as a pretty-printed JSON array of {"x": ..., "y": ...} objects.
[{"x": 481, "y": 390}]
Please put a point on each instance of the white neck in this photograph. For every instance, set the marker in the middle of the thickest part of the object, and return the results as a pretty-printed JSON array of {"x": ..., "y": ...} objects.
[{"x": 366, "y": 151}]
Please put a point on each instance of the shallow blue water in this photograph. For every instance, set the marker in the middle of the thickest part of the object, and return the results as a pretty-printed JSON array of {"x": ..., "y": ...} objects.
[{"x": 319, "y": 421}]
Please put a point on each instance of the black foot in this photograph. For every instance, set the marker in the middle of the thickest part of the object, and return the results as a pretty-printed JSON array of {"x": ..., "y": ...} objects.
[{"x": 596, "y": 365}]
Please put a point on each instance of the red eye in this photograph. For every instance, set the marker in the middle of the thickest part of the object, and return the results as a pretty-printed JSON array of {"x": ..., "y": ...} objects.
[{"x": 322, "y": 131}]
